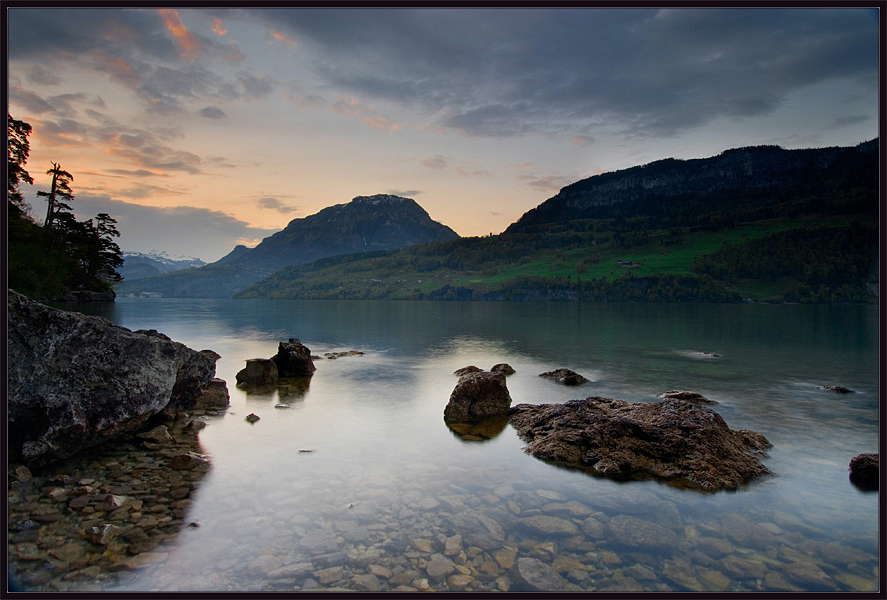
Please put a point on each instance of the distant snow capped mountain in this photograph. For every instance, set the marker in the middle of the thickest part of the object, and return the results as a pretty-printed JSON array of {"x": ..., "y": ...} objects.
[{"x": 138, "y": 264}]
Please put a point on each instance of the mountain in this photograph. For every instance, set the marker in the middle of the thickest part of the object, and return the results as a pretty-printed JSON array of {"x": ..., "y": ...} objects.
[
  {"x": 760, "y": 223},
  {"x": 366, "y": 224},
  {"x": 137, "y": 264},
  {"x": 740, "y": 184}
]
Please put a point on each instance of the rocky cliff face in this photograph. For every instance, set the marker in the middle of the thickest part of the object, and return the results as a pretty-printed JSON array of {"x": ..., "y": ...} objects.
[
  {"x": 752, "y": 176},
  {"x": 75, "y": 381}
]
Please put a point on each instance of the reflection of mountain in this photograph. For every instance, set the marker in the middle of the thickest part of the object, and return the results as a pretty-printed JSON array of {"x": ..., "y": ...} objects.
[{"x": 367, "y": 223}]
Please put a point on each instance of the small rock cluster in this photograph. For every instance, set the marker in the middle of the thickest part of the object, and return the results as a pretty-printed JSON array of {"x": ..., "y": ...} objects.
[{"x": 293, "y": 359}]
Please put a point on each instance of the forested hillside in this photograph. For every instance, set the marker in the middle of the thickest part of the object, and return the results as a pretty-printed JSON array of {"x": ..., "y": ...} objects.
[{"x": 761, "y": 224}]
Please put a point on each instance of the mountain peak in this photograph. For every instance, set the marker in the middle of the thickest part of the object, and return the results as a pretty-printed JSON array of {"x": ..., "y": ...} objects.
[{"x": 381, "y": 199}]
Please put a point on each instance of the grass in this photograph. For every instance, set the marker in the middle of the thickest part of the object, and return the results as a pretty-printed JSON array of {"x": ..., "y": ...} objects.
[{"x": 587, "y": 262}]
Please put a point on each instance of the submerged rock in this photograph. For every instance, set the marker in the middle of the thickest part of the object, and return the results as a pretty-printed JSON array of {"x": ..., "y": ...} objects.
[
  {"x": 865, "y": 471},
  {"x": 293, "y": 359},
  {"x": 478, "y": 395},
  {"x": 565, "y": 376},
  {"x": 686, "y": 396},
  {"x": 258, "y": 371},
  {"x": 684, "y": 444},
  {"x": 76, "y": 381},
  {"x": 533, "y": 575}
]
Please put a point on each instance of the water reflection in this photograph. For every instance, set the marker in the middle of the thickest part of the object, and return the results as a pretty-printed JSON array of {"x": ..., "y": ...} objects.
[
  {"x": 480, "y": 430},
  {"x": 286, "y": 390},
  {"x": 389, "y": 499}
]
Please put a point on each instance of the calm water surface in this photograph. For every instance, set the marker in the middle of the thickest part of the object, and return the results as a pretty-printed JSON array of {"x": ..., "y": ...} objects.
[{"x": 383, "y": 465}]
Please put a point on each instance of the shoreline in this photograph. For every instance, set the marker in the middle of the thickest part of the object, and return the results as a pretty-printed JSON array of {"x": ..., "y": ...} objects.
[{"x": 93, "y": 521}]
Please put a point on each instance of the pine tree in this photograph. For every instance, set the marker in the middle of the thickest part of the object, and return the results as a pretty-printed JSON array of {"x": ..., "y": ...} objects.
[
  {"x": 58, "y": 196},
  {"x": 18, "y": 149}
]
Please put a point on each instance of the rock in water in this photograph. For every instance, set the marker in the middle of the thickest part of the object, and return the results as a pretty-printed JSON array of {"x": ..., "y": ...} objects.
[
  {"x": 503, "y": 368},
  {"x": 682, "y": 443},
  {"x": 533, "y": 575},
  {"x": 478, "y": 395},
  {"x": 865, "y": 470},
  {"x": 75, "y": 381},
  {"x": 215, "y": 395},
  {"x": 293, "y": 359},
  {"x": 467, "y": 370},
  {"x": 565, "y": 376},
  {"x": 693, "y": 397},
  {"x": 838, "y": 389},
  {"x": 258, "y": 371}
]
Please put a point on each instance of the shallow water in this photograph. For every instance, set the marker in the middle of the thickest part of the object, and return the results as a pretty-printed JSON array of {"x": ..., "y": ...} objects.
[{"x": 362, "y": 462}]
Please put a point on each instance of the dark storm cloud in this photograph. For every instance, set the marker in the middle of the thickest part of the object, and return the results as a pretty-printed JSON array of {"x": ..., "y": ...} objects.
[
  {"x": 636, "y": 71},
  {"x": 137, "y": 49}
]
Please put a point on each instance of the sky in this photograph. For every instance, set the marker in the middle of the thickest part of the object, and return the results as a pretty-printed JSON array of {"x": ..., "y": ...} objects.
[{"x": 202, "y": 128}]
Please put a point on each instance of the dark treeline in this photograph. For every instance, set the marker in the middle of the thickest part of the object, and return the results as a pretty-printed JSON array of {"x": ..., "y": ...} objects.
[
  {"x": 62, "y": 257},
  {"x": 653, "y": 288},
  {"x": 830, "y": 264}
]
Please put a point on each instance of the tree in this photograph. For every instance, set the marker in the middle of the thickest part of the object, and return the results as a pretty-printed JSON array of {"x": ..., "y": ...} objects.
[
  {"x": 18, "y": 149},
  {"x": 58, "y": 196},
  {"x": 109, "y": 257}
]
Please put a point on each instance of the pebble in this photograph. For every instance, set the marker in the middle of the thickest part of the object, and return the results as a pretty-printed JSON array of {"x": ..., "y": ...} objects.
[{"x": 121, "y": 514}]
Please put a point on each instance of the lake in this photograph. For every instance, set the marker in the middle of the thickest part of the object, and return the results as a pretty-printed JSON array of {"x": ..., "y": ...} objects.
[{"x": 359, "y": 484}]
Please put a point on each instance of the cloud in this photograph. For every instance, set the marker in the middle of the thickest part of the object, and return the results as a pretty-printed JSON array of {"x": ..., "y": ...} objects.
[
  {"x": 848, "y": 121},
  {"x": 217, "y": 28},
  {"x": 212, "y": 112},
  {"x": 187, "y": 230},
  {"x": 39, "y": 75},
  {"x": 32, "y": 102},
  {"x": 140, "y": 147},
  {"x": 643, "y": 73},
  {"x": 529, "y": 176},
  {"x": 404, "y": 193},
  {"x": 275, "y": 204},
  {"x": 149, "y": 51},
  {"x": 435, "y": 162},
  {"x": 185, "y": 38},
  {"x": 281, "y": 37}
]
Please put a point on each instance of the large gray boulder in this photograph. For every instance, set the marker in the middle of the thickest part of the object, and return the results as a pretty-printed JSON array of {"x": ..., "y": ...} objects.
[
  {"x": 478, "y": 395},
  {"x": 76, "y": 381},
  {"x": 683, "y": 443},
  {"x": 293, "y": 359}
]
